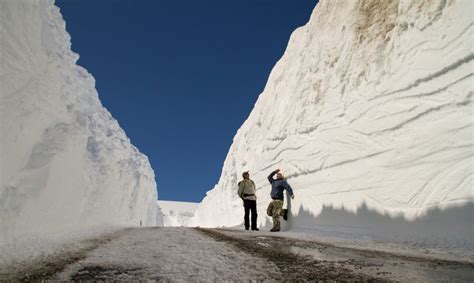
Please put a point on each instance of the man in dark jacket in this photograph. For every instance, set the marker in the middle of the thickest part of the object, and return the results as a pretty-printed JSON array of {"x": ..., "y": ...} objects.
[{"x": 275, "y": 207}]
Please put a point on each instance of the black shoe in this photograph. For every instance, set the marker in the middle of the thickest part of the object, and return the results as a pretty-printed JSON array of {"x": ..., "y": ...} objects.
[
  {"x": 285, "y": 214},
  {"x": 274, "y": 230},
  {"x": 247, "y": 229},
  {"x": 256, "y": 229}
]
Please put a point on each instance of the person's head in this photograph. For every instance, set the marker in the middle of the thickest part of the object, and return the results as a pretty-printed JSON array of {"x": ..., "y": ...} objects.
[
  {"x": 246, "y": 175},
  {"x": 280, "y": 176}
]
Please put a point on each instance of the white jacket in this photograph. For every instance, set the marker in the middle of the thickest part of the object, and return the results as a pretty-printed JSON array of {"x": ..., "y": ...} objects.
[{"x": 247, "y": 187}]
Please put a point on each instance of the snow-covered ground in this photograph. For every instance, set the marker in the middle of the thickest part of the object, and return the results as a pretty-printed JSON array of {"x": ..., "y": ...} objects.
[
  {"x": 168, "y": 254},
  {"x": 369, "y": 114},
  {"x": 177, "y": 213},
  {"x": 207, "y": 255},
  {"x": 66, "y": 167}
]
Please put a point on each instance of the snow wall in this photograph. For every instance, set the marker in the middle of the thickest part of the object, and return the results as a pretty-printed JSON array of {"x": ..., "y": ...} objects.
[
  {"x": 369, "y": 115},
  {"x": 177, "y": 213},
  {"x": 66, "y": 164}
]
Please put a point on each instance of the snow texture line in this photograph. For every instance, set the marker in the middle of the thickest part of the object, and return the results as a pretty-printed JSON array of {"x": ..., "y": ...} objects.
[
  {"x": 418, "y": 116},
  {"x": 430, "y": 77},
  {"x": 337, "y": 164}
]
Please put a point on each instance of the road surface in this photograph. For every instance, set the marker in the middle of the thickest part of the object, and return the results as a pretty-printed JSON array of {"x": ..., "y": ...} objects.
[{"x": 193, "y": 254}]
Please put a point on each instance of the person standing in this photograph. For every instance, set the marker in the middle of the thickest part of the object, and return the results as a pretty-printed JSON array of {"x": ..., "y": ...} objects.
[
  {"x": 247, "y": 193},
  {"x": 275, "y": 207}
]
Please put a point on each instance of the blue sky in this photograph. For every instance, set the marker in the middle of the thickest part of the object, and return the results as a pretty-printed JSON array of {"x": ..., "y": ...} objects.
[{"x": 181, "y": 76}]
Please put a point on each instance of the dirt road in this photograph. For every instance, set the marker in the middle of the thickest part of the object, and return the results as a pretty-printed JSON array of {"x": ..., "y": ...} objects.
[{"x": 187, "y": 254}]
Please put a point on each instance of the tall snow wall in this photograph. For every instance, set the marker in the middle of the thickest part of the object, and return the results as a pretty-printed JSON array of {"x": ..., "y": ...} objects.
[
  {"x": 369, "y": 114},
  {"x": 66, "y": 164}
]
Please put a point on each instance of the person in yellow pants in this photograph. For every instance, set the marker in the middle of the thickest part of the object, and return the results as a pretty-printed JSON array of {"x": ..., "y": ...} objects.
[{"x": 275, "y": 207}]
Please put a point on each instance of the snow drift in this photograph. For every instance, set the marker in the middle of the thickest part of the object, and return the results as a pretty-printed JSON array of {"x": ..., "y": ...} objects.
[
  {"x": 368, "y": 112},
  {"x": 66, "y": 164}
]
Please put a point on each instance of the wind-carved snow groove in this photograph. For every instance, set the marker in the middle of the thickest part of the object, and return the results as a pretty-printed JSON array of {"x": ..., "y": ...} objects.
[
  {"x": 467, "y": 101},
  {"x": 363, "y": 113},
  {"x": 437, "y": 90},
  {"x": 280, "y": 141},
  {"x": 459, "y": 36},
  {"x": 424, "y": 113},
  {"x": 419, "y": 159},
  {"x": 441, "y": 72},
  {"x": 411, "y": 109},
  {"x": 348, "y": 191},
  {"x": 449, "y": 161},
  {"x": 294, "y": 175},
  {"x": 467, "y": 177},
  {"x": 414, "y": 48},
  {"x": 331, "y": 128},
  {"x": 288, "y": 149},
  {"x": 455, "y": 130},
  {"x": 309, "y": 129},
  {"x": 271, "y": 165},
  {"x": 278, "y": 138},
  {"x": 416, "y": 198}
]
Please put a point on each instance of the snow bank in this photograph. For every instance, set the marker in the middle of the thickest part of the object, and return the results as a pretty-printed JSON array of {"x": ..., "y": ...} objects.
[
  {"x": 369, "y": 109},
  {"x": 177, "y": 213},
  {"x": 66, "y": 165}
]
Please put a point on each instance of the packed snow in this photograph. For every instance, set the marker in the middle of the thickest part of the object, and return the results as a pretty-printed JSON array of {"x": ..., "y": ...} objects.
[
  {"x": 66, "y": 165},
  {"x": 177, "y": 255},
  {"x": 177, "y": 213},
  {"x": 144, "y": 254},
  {"x": 369, "y": 115}
]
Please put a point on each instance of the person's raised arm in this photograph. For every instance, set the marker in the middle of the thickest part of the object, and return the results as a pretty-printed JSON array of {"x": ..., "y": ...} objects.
[{"x": 270, "y": 177}]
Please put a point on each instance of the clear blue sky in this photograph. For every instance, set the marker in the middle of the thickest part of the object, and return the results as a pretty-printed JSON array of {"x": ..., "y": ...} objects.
[{"x": 182, "y": 76}]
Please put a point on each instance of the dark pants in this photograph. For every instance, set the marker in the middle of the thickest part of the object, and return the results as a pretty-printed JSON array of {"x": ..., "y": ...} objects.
[{"x": 250, "y": 205}]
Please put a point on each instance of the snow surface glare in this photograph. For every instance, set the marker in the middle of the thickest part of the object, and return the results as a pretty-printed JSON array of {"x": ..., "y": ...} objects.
[
  {"x": 66, "y": 165},
  {"x": 369, "y": 114}
]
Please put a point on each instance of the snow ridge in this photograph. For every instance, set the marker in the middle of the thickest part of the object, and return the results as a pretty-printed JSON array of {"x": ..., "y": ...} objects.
[
  {"x": 369, "y": 107},
  {"x": 66, "y": 165}
]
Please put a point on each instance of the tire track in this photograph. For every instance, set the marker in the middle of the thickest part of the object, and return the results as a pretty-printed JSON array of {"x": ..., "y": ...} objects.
[
  {"x": 293, "y": 267},
  {"x": 308, "y": 260},
  {"x": 45, "y": 267}
]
